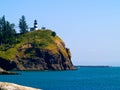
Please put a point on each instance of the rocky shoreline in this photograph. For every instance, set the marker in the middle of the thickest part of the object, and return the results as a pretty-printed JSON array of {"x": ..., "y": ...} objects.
[
  {"x": 4, "y": 72},
  {"x": 12, "y": 86}
]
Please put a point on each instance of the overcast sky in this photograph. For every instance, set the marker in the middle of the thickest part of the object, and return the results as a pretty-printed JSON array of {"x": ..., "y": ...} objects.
[{"x": 90, "y": 28}]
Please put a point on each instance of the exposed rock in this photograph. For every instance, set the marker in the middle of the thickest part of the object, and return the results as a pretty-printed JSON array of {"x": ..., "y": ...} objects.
[
  {"x": 46, "y": 60},
  {"x": 4, "y": 72},
  {"x": 12, "y": 86},
  {"x": 1, "y": 70},
  {"x": 7, "y": 64}
]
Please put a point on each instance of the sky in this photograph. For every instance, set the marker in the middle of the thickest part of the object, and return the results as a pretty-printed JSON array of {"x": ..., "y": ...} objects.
[{"x": 90, "y": 28}]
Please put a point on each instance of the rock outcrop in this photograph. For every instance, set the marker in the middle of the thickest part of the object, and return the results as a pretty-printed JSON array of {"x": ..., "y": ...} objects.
[
  {"x": 12, "y": 86},
  {"x": 45, "y": 60},
  {"x": 7, "y": 64},
  {"x": 4, "y": 72},
  {"x": 38, "y": 50}
]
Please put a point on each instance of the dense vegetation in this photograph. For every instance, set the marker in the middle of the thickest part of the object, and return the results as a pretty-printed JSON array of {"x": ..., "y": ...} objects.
[
  {"x": 7, "y": 32},
  {"x": 8, "y": 35}
]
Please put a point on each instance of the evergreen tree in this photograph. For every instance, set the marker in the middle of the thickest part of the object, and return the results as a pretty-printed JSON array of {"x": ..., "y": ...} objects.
[
  {"x": 3, "y": 29},
  {"x": 0, "y": 31},
  {"x": 23, "y": 25},
  {"x": 7, "y": 32},
  {"x": 0, "y": 34},
  {"x": 10, "y": 38}
]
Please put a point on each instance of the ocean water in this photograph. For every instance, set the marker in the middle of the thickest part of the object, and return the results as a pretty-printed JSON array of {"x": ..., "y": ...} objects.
[{"x": 82, "y": 79}]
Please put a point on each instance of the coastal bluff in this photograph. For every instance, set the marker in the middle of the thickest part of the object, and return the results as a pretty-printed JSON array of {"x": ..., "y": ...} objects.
[
  {"x": 12, "y": 86},
  {"x": 37, "y": 50}
]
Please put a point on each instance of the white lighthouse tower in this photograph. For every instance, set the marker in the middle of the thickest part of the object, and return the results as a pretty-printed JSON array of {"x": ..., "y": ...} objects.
[{"x": 35, "y": 25}]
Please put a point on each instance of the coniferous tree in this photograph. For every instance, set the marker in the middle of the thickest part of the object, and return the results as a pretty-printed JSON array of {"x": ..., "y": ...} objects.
[
  {"x": 10, "y": 33},
  {"x": 23, "y": 25},
  {"x": 0, "y": 31},
  {"x": 3, "y": 29},
  {"x": 7, "y": 32},
  {"x": 0, "y": 35}
]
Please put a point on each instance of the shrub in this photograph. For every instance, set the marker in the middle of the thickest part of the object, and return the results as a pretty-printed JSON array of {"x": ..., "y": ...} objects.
[{"x": 53, "y": 34}]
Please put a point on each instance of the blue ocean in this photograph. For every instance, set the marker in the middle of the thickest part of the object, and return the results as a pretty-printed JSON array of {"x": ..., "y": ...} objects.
[{"x": 85, "y": 78}]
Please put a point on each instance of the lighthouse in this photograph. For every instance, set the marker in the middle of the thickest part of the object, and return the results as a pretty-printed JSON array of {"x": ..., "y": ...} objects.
[{"x": 35, "y": 25}]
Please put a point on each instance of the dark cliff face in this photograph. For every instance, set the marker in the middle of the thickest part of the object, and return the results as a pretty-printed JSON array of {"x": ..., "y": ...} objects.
[
  {"x": 7, "y": 65},
  {"x": 39, "y": 50},
  {"x": 42, "y": 60},
  {"x": 45, "y": 60}
]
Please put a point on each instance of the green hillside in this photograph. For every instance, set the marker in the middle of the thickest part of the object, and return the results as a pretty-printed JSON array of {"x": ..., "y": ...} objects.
[{"x": 42, "y": 39}]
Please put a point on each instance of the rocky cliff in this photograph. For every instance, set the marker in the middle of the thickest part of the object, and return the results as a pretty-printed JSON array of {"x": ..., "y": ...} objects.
[{"x": 37, "y": 50}]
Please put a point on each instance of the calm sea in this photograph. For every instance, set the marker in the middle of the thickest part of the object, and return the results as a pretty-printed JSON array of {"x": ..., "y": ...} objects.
[{"x": 82, "y": 79}]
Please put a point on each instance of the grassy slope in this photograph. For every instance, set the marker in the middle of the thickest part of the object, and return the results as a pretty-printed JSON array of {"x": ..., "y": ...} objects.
[{"x": 42, "y": 38}]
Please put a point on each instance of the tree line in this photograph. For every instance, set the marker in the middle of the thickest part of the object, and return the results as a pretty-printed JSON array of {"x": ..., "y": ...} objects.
[{"x": 8, "y": 34}]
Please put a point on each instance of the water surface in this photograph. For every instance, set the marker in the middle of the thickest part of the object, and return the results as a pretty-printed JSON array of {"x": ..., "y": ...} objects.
[{"x": 84, "y": 78}]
